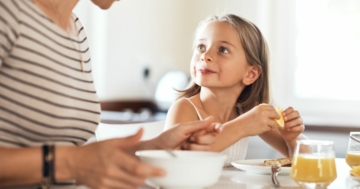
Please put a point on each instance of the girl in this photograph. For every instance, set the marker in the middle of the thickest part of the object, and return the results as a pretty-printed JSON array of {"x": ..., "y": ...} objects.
[{"x": 229, "y": 71}]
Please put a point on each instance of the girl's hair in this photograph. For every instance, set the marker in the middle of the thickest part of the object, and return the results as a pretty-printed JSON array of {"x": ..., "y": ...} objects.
[{"x": 256, "y": 52}]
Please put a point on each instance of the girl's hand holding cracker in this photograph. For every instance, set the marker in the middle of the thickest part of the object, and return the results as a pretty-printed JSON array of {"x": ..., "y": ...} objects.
[
  {"x": 293, "y": 126},
  {"x": 260, "y": 119}
]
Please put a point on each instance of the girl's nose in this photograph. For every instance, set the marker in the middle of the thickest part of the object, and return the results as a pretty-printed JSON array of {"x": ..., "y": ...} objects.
[{"x": 207, "y": 57}]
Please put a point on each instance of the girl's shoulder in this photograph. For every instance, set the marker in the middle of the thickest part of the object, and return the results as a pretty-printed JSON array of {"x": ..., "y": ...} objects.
[
  {"x": 180, "y": 111},
  {"x": 191, "y": 102},
  {"x": 184, "y": 104},
  {"x": 184, "y": 107}
]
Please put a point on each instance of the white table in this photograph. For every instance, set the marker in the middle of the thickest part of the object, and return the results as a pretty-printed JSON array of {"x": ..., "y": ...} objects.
[{"x": 233, "y": 178}]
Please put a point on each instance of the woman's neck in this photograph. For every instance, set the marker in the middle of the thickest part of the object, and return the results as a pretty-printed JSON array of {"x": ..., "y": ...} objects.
[{"x": 59, "y": 11}]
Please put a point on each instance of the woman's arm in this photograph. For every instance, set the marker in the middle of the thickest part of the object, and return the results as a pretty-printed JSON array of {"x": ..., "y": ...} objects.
[
  {"x": 23, "y": 166},
  {"x": 103, "y": 164},
  {"x": 106, "y": 164},
  {"x": 20, "y": 166},
  {"x": 180, "y": 134}
]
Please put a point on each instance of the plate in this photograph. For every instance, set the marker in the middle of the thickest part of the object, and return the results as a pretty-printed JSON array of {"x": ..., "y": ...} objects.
[
  {"x": 257, "y": 166},
  {"x": 355, "y": 178}
]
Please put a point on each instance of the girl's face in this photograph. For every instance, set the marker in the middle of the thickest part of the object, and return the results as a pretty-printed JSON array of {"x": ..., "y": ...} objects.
[{"x": 219, "y": 59}]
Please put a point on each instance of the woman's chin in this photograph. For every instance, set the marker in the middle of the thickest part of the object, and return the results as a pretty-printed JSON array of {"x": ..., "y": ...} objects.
[{"x": 104, "y": 5}]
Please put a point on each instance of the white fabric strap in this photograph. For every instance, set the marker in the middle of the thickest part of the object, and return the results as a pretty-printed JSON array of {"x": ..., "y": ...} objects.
[{"x": 197, "y": 111}]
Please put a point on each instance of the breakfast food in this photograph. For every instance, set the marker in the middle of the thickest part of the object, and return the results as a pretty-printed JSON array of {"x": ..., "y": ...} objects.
[
  {"x": 279, "y": 122},
  {"x": 284, "y": 162},
  {"x": 355, "y": 171}
]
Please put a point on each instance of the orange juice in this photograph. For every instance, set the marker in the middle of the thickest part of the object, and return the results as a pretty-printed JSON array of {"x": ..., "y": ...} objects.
[
  {"x": 353, "y": 158},
  {"x": 313, "y": 169}
]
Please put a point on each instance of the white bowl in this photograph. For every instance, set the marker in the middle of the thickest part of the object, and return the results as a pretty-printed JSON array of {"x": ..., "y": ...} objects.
[{"x": 189, "y": 170}]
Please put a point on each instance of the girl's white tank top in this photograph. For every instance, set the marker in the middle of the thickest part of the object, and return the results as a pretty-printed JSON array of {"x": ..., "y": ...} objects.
[{"x": 236, "y": 151}]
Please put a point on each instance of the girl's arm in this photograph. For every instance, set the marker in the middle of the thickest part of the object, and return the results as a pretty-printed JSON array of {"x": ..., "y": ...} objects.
[
  {"x": 254, "y": 122},
  {"x": 275, "y": 140}
]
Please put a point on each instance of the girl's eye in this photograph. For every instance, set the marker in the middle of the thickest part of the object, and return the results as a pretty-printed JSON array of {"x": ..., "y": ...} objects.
[
  {"x": 201, "y": 47},
  {"x": 223, "y": 50}
]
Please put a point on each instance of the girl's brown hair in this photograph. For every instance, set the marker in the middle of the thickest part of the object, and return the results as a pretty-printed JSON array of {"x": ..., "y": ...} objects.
[{"x": 256, "y": 52}]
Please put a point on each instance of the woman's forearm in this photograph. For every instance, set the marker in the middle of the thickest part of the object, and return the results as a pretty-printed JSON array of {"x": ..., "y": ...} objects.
[
  {"x": 23, "y": 166},
  {"x": 20, "y": 166}
]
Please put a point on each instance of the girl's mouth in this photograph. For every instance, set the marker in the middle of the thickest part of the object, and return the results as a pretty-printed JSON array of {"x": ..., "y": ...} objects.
[{"x": 205, "y": 71}]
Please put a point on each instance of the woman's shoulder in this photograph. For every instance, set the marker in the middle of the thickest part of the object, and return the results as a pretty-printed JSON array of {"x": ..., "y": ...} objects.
[
  {"x": 9, "y": 5},
  {"x": 10, "y": 12},
  {"x": 76, "y": 20},
  {"x": 9, "y": 26},
  {"x": 78, "y": 25}
]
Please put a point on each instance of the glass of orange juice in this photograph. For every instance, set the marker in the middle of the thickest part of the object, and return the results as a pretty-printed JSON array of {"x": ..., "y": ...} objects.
[
  {"x": 353, "y": 150},
  {"x": 313, "y": 163}
]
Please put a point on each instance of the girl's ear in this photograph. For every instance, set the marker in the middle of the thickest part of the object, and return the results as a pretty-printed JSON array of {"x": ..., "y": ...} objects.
[{"x": 252, "y": 74}]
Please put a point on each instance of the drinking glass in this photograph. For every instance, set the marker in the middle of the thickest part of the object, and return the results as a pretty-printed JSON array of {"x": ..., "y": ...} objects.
[
  {"x": 314, "y": 163},
  {"x": 353, "y": 150}
]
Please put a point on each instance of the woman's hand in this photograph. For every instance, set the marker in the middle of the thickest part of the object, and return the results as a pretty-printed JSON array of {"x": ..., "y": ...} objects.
[
  {"x": 106, "y": 164},
  {"x": 294, "y": 125},
  {"x": 200, "y": 140},
  {"x": 202, "y": 133}
]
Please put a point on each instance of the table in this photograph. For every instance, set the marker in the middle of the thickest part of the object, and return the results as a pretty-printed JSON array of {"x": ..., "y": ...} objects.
[{"x": 232, "y": 178}]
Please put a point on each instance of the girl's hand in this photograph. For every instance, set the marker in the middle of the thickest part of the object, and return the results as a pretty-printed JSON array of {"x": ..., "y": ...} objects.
[
  {"x": 259, "y": 119},
  {"x": 179, "y": 135},
  {"x": 201, "y": 140},
  {"x": 294, "y": 125}
]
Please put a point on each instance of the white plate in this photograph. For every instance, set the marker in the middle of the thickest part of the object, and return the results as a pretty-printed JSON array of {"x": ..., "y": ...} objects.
[
  {"x": 355, "y": 178},
  {"x": 257, "y": 166}
]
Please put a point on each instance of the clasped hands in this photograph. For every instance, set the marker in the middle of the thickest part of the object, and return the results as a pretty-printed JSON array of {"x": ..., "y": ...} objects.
[{"x": 112, "y": 164}]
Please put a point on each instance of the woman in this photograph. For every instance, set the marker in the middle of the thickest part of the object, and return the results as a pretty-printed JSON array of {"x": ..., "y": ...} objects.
[{"x": 49, "y": 107}]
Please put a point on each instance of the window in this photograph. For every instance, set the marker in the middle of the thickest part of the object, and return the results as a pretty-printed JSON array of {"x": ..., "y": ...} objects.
[{"x": 326, "y": 69}]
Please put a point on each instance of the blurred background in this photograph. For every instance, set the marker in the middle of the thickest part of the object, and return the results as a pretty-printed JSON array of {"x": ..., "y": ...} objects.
[{"x": 141, "y": 49}]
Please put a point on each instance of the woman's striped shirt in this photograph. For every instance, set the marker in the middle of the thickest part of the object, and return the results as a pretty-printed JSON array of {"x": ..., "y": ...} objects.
[{"x": 45, "y": 97}]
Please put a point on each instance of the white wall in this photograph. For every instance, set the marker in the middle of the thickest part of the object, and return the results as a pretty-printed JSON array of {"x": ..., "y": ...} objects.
[
  {"x": 156, "y": 34},
  {"x": 142, "y": 34}
]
